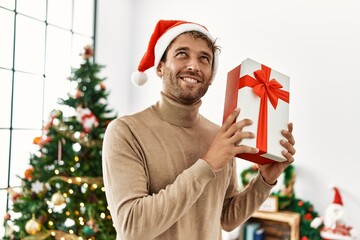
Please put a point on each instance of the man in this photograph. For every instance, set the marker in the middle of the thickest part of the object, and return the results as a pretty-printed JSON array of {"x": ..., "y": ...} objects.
[{"x": 170, "y": 173}]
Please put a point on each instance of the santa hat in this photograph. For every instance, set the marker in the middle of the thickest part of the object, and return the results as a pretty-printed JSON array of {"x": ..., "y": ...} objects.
[
  {"x": 165, "y": 31},
  {"x": 337, "y": 196}
]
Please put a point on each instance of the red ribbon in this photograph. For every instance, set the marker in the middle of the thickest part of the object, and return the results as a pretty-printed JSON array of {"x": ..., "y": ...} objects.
[{"x": 266, "y": 89}]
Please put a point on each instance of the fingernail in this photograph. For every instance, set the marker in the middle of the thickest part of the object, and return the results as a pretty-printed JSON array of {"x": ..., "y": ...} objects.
[
  {"x": 282, "y": 141},
  {"x": 284, "y": 152}
]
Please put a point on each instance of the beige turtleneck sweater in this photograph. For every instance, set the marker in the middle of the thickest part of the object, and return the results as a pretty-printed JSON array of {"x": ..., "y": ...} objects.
[{"x": 157, "y": 185}]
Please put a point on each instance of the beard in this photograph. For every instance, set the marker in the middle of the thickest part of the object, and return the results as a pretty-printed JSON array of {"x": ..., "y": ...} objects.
[{"x": 172, "y": 85}]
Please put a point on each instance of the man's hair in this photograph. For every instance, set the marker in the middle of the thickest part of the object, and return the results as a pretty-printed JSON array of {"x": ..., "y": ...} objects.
[{"x": 196, "y": 35}]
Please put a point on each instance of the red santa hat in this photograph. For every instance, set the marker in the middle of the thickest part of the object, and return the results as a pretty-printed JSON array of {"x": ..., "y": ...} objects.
[
  {"x": 337, "y": 196},
  {"x": 165, "y": 31}
]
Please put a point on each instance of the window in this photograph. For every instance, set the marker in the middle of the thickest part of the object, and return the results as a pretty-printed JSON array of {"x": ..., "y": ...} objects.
[{"x": 40, "y": 41}]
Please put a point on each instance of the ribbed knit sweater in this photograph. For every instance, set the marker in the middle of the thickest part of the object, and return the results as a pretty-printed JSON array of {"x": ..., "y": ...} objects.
[{"x": 158, "y": 187}]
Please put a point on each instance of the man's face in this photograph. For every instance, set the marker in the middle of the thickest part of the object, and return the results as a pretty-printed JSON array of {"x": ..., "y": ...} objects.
[{"x": 187, "y": 71}]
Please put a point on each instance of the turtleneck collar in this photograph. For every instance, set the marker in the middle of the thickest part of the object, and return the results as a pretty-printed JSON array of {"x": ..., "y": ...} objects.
[{"x": 176, "y": 113}]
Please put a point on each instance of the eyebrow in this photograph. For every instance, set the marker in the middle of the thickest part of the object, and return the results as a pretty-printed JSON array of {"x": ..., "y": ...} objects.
[{"x": 188, "y": 49}]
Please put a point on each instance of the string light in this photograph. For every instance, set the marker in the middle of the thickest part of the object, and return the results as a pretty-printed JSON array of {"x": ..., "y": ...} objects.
[{"x": 81, "y": 220}]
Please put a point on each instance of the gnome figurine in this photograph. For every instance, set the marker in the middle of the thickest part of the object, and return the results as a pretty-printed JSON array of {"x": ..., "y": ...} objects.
[{"x": 332, "y": 223}]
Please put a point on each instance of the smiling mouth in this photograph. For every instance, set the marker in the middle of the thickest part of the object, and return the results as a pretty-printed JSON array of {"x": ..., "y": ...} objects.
[{"x": 189, "y": 80}]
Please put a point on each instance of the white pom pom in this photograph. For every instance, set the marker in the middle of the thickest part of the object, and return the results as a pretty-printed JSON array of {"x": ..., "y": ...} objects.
[
  {"x": 353, "y": 233},
  {"x": 139, "y": 78},
  {"x": 316, "y": 222}
]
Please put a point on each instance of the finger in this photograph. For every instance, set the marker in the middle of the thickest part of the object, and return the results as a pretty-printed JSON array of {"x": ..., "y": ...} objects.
[
  {"x": 289, "y": 157},
  {"x": 290, "y": 127},
  {"x": 289, "y": 147},
  {"x": 289, "y": 136},
  {"x": 245, "y": 149},
  {"x": 230, "y": 119},
  {"x": 238, "y": 136},
  {"x": 238, "y": 126}
]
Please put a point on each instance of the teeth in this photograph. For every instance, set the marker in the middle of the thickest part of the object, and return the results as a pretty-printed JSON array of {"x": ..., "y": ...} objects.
[{"x": 190, "y": 80}]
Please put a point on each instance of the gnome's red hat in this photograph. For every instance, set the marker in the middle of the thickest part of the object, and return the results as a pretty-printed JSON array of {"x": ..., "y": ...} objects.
[
  {"x": 337, "y": 196},
  {"x": 166, "y": 31}
]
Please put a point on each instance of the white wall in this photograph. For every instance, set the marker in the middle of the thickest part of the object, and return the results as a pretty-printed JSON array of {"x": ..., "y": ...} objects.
[{"x": 316, "y": 43}]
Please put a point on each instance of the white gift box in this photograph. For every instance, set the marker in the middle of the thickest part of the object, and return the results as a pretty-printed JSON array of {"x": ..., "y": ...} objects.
[{"x": 262, "y": 94}]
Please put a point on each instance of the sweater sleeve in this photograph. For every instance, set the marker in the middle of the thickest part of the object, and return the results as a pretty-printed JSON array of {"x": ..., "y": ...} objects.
[
  {"x": 240, "y": 205},
  {"x": 135, "y": 213}
]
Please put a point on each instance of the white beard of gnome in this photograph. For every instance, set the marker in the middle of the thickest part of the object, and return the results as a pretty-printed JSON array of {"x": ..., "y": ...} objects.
[{"x": 334, "y": 214}]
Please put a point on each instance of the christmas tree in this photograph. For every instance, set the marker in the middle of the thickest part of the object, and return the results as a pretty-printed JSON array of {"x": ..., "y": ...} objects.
[{"x": 62, "y": 194}]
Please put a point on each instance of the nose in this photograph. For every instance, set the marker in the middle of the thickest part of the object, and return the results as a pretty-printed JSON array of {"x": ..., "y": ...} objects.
[{"x": 193, "y": 65}]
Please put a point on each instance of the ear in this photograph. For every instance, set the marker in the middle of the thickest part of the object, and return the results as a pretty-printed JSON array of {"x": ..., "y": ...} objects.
[
  {"x": 211, "y": 81},
  {"x": 159, "y": 70}
]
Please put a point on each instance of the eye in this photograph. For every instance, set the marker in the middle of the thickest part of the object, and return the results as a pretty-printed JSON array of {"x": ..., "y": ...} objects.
[
  {"x": 205, "y": 58},
  {"x": 181, "y": 54}
]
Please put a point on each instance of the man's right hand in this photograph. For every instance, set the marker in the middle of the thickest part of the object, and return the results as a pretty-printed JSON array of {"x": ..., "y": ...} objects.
[{"x": 225, "y": 145}]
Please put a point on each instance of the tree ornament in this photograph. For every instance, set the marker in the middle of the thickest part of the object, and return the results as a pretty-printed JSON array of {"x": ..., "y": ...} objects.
[
  {"x": 88, "y": 231},
  {"x": 79, "y": 94},
  {"x": 42, "y": 218},
  {"x": 308, "y": 217},
  {"x": 28, "y": 174},
  {"x": 91, "y": 227},
  {"x": 92, "y": 198},
  {"x": 87, "y": 119},
  {"x": 38, "y": 187},
  {"x": 14, "y": 195},
  {"x": 88, "y": 52},
  {"x": 32, "y": 226},
  {"x": 7, "y": 216},
  {"x": 42, "y": 140},
  {"x": 57, "y": 199}
]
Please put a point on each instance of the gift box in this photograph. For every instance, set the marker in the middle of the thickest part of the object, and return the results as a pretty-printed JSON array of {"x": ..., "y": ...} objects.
[{"x": 262, "y": 94}]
